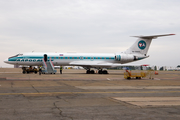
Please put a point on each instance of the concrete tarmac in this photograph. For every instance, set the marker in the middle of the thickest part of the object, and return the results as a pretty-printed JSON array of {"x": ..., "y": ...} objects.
[{"x": 75, "y": 95}]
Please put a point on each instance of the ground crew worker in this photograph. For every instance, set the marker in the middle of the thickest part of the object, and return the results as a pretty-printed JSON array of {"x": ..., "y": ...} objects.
[
  {"x": 40, "y": 70},
  {"x": 61, "y": 69}
]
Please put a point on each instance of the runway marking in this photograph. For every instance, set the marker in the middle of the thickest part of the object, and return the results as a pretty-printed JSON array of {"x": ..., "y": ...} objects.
[
  {"x": 108, "y": 79},
  {"x": 150, "y": 101},
  {"x": 128, "y": 87},
  {"x": 51, "y": 93}
]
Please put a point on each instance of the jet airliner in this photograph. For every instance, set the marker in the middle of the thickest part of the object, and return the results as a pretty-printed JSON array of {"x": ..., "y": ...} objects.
[{"x": 137, "y": 51}]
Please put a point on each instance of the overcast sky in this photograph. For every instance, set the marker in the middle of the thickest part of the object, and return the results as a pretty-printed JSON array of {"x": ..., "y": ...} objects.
[{"x": 92, "y": 26}]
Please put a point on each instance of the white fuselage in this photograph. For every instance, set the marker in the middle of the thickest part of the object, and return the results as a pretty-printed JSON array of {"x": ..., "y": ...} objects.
[{"x": 67, "y": 59}]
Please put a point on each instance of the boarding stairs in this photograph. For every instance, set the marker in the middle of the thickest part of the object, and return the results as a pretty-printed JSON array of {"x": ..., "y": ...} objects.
[{"x": 48, "y": 67}]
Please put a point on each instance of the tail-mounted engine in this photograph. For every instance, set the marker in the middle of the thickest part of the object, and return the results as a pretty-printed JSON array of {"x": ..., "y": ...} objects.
[{"x": 126, "y": 57}]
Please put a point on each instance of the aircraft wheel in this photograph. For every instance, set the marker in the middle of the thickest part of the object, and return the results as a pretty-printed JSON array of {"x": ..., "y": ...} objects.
[
  {"x": 92, "y": 71},
  {"x": 88, "y": 72},
  {"x": 129, "y": 78},
  {"x": 105, "y": 72},
  {"x": 100, "y": 72},
  {"x": 24, "y": 72}
]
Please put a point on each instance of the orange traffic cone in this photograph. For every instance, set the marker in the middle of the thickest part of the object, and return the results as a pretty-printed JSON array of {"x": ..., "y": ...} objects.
[{"x": 156, "y": 73}]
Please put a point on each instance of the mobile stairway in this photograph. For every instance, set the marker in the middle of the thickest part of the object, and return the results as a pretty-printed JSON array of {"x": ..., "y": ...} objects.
[{"x": 48, "y": 67}]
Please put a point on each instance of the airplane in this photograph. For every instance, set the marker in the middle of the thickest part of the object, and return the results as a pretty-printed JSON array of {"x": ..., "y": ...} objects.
[{"x": 137, "y": 51}]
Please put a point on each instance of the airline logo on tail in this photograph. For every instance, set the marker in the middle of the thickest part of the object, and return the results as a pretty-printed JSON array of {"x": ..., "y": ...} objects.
[{"x": 142, "y": 44}]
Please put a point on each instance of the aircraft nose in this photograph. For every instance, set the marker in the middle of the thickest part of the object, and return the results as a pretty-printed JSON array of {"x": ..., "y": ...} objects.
[{"x": 6, "y": 60}]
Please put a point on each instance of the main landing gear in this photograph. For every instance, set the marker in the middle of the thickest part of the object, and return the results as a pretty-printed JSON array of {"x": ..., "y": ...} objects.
[
  {"x": 90, "y": 72},
  {"x": 102, "y": 72},
  {"x": 99, "y": 71}
]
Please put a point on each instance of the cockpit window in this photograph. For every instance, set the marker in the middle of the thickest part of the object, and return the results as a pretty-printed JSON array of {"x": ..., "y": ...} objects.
[{"x": 15, "y": 56}]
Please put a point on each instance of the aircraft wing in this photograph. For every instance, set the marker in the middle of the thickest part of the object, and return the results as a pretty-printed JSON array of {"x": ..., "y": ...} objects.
[
  {"x": 91, "y": 64},
  {"x": 97, "y": 64}
]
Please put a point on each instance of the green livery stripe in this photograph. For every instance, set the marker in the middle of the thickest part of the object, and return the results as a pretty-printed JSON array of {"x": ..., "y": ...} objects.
[{"x": 30, "y": 58}]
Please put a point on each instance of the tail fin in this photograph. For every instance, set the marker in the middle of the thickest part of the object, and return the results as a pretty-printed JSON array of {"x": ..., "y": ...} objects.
[{"x": 141, "y": 46}]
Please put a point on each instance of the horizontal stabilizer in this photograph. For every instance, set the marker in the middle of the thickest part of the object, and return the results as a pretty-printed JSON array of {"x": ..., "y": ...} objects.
[{"x": 153, "y": 36}]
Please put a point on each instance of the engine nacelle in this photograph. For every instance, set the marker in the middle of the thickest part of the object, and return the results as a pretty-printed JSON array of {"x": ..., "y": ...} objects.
[{"x": 125, "y": 57}]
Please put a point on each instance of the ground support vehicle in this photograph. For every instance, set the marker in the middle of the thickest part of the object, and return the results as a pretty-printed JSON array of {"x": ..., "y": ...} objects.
[
  {"x": 29, "y": 70},
  {"x": 138, "y": 74}
]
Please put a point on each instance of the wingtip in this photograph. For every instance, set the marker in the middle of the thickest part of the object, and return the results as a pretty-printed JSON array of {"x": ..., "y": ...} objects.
[{"x": 172, "y": 34}]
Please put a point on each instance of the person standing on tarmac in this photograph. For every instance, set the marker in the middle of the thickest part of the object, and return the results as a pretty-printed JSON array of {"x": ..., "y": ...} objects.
[
  {"x": 61, "y": 69},
  {"x": 40, "y": 70}
]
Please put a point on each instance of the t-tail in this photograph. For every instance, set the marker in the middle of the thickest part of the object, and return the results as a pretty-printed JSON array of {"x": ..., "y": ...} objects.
[
  {"x": 138, "y": 50},
  {"x": 141, "y": 46}
]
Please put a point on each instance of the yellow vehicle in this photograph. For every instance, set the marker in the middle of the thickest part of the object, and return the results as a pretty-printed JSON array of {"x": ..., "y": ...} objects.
[{"x": 138, "y": 74}]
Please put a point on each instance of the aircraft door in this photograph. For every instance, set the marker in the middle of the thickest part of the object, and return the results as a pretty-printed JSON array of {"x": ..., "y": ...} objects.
[{"x": 45, "y": 57}]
